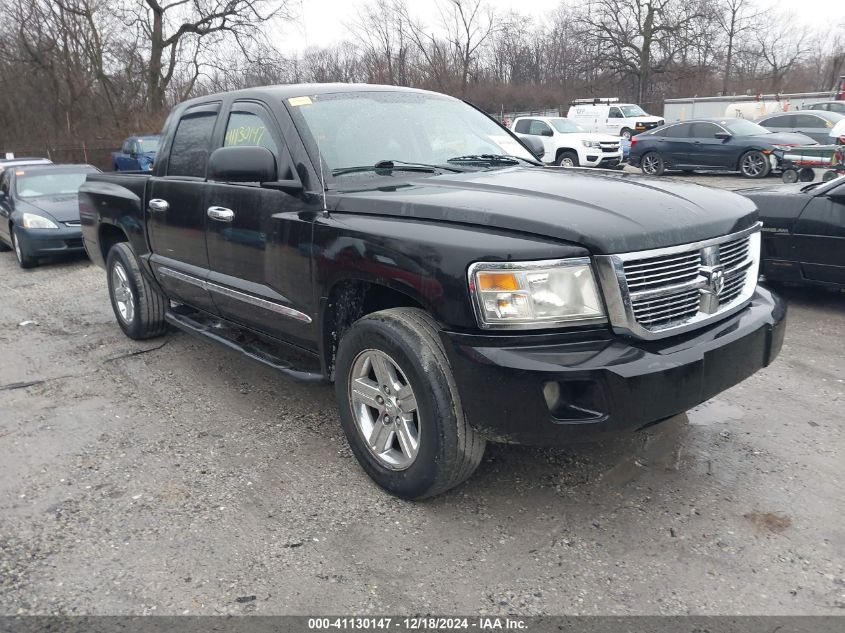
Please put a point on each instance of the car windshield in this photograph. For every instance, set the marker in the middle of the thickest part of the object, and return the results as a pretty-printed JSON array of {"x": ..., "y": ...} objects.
[
  {"x": 364, "y": 128},
  {"x": 632, "y": 110},
  {"x": 36, "y": 185},
  {"x": 742, "y": 127},
  {"x": 148, "y": 144},
  {"x": 565, "y": 126}
]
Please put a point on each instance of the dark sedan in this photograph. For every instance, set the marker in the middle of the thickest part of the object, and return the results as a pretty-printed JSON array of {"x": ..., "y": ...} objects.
[
  {"x": 39, "y": 211},
  {"x": 803, "y": 232},
  {"x": 711, "y": 144}
]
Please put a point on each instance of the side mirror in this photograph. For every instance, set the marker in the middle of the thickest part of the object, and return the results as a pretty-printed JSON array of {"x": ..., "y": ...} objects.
[
  {"x": 722, "y": 136},
  {"x": 547, "y": 133},
  {"x": 534, "y": 145},
  {"x": 242, "y": 164}
]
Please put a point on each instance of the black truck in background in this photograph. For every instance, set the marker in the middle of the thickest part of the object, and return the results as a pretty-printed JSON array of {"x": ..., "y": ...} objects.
[{"x": 405, "y": 246}]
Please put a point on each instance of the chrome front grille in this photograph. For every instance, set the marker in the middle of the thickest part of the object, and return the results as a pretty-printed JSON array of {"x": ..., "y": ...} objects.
[
  {"x": 661, "y": 292},
  {"x": 609, "y": 147}
]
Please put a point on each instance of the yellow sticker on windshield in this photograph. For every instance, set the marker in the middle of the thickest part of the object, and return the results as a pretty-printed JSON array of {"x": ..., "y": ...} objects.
[{"x": 299, "y": 101}]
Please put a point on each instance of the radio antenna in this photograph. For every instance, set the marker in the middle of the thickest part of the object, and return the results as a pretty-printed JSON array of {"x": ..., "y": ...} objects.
[{"x": 322, "y": 178}]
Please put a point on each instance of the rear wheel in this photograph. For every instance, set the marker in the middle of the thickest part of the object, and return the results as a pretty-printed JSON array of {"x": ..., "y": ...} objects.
[
  {"x": 137, "y": 304},
  {"x": 829, "y": 175},
  {"x": 25, "y": 260},
  {"x": 567, "y": 159},
  {"x": 806, "y": 175},
  {"x": 652, "y": 164},
  {"x": 754, "y": 164},
  {"x": 399, "y": 405}
]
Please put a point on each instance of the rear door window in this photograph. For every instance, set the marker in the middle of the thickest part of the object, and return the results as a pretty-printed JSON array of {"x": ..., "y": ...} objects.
[
  {"x": 783, "y": 121},
  {"x": 522, "y": 126},
  {"x": 682, "y": 130},
  {"x": 191, "y": 143}
]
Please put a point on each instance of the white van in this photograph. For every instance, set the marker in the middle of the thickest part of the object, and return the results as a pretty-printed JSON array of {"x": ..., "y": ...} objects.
[{"x": 608, "y": 116}]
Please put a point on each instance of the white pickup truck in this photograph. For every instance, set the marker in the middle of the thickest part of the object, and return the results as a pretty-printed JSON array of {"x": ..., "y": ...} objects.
[{"x": 568, "y": 144}]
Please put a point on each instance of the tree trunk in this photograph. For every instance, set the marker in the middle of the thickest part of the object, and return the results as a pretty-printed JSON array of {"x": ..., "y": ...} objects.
[
  {"x": 155, "y": 91},
  {"x": 645, "y": 55}
]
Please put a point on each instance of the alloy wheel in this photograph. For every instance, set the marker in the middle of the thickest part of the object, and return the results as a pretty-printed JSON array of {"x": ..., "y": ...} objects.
[
  {"x": 753, "y": 164},
  {"x": 123, "y": 293},
  {"x": 650, "y": 164},
  {"x": 385, "y": 409}
]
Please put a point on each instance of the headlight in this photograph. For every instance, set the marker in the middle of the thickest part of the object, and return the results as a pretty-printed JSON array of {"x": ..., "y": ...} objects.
[
  {"x": 529, "y": 295},
  {"x": 595, "y": 144},
  {"x": 32, "y": 221}
]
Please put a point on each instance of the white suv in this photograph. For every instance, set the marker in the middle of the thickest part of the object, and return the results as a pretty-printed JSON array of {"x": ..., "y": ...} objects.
[
  {"x": 568, "y": 144},
  {"x": 611, "y": 117}
]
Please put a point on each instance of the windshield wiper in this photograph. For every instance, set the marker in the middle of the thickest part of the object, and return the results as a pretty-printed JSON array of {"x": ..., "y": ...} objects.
[
  {"x": 496, "y": 159},
  {"x": 394, "y": 165}
]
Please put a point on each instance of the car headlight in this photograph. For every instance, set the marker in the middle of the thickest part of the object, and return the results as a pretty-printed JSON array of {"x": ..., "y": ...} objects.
[
  {"x": 542, "y": 294},
  {"x": 595, "y": 144},
  {"x": 32, "y": 221}
]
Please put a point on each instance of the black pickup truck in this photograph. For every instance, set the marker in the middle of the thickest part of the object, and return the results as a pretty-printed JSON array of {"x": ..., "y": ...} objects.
[{"x": 408, "y": 248}]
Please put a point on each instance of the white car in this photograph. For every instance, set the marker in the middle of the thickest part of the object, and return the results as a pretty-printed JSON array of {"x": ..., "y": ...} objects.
[
  {"x": 568, "y": 144},
  {"x": 611, "y": 117}
]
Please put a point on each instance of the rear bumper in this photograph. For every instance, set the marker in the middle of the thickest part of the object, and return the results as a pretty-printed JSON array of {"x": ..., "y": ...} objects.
[
  {"x": 600, "y": 384},
  {"x": 50, "y": 242}
]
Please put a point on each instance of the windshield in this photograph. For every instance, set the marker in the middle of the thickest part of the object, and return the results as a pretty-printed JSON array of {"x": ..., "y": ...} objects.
[
  {"x": 566, "y": 126},
  {"x": 632, "y": 110},
  {"x": 362, "y": 128},
  {"x": 49, "y": 184},
  {"x": 148, "y": 144},
  {"x": 742, "y": 127}
]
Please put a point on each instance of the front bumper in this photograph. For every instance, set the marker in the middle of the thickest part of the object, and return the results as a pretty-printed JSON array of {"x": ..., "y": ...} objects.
[
  {"x": 597, "y": 384},
  {"x": 50, "y": 242},
  {"x": 603, "y": 160}
]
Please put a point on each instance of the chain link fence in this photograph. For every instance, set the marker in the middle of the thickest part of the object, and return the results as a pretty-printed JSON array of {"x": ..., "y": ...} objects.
[{"x": 97, "y": 153}]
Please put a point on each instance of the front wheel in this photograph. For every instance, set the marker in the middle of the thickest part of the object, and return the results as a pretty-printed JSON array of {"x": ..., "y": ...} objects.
[
  {"x": 399, "y": 405},
  {"x": 25, "y": 260},
  {"x": 830, "y": 175},
  {"x": 137, "y": 304},
  {"x": 567, "y": 159},
  {"x": 626, "y": 134},
  {"x": 754, "y": 164},
  {"x": 652, "y": 164}
]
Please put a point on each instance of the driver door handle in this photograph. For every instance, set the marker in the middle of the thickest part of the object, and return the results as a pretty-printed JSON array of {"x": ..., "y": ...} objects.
[
  {"x": 157, "y": 205},
  {"x": 221, "y": 214}
]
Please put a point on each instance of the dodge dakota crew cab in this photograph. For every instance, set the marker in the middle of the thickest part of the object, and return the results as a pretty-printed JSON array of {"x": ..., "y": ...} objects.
[{"x": 411, "y": 250}]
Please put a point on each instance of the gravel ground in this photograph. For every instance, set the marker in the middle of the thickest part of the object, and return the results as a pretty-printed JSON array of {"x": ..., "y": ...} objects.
[{"x": 140, "y": 479}]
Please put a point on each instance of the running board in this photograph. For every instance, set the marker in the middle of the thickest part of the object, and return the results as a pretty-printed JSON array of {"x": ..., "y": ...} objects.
[{"x": 242, "y": 341}]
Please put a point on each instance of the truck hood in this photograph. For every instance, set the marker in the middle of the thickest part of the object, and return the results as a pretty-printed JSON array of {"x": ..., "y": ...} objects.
[
  {"x": 607, "y": 212},
  {"x": 587, "y": 136},
  {"x": 61, "y": 208}
]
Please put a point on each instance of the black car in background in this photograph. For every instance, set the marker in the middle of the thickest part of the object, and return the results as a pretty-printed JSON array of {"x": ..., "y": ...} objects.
[
  {"x": 816, "y": 124},
  {"x": 711, "y": 144},
  {"x": 803, "y": 232},
  {"x": 39, "y": 211}
]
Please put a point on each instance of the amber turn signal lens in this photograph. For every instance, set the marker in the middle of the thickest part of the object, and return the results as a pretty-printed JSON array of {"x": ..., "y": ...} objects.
[{"x": 495, "y": 281}]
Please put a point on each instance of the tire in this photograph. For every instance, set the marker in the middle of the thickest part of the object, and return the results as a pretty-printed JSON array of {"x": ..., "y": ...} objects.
[
  {"x": 829, "y": 175},
  {"x": 626, "y": 133},
  {"x": 652, "y": 164},
  {"x": 567, "y": 159},
  {"x": 754, "y": 164},
  {"x": 789, "y": 176},
  {"x": 138, "y": 306},
  {"x": 448, "y": 449},
  {"x": 806, "y": 174},
  {"x": 25, "y": 260}
]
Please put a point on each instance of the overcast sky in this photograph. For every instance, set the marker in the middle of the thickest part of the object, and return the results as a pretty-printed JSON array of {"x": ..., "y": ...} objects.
[{"x": 322, "y": 22}]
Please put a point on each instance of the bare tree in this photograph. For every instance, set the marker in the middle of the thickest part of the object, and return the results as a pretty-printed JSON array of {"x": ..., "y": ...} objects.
[
  {"x": 735, "y": 18},
  {"x": 781, "y": 49},
  {"x": 171, "y": 27}
]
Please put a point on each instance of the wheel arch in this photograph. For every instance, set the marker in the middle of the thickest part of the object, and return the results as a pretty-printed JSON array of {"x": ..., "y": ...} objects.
[
  {"x": 107, "y": 236},
  {"x": 350, "y": 299}
]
